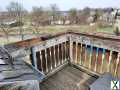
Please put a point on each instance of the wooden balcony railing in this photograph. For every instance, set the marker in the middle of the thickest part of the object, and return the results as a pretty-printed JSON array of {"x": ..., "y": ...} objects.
[
  {"x": 96, "y": 59},
  {"x": 51, "y": 54},
  {"x": 92, "y": 53}
]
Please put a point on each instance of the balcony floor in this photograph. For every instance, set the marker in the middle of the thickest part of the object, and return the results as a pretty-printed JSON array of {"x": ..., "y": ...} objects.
[{"x": 69, "y": 78}]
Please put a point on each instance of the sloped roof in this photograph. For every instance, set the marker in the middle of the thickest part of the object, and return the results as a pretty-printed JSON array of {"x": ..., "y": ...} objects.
[{"x": 19, "y": 71}]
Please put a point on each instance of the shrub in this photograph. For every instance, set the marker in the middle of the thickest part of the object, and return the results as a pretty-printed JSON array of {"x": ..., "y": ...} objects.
[{"x": 116, "y": 31}]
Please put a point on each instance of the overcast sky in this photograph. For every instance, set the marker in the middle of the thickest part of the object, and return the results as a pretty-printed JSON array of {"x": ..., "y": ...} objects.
[{"x": 64, "y": 4}]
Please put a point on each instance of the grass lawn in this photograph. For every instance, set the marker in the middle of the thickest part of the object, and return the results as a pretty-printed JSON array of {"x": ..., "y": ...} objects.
[
  {"x": 52, "y": 30},
  {"x": 108, "y": 30}
]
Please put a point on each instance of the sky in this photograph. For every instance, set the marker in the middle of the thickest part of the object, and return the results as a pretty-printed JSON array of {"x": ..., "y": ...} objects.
[{"x": 64, "y": 4}]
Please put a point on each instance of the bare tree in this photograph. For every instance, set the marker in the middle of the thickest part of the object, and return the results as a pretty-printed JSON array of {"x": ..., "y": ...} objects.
[
  {"x": 54, "y": 12},
  {"x": 73, "y": 15},
  {"x": 96, "y": 15},
  {"x": 2, "y": 25},
  {"x": 15, "y": 11},
  {"x": 37, "y": 15},
  {"x": 37, "y": 18},
  {"x": 86, "y": 11}
]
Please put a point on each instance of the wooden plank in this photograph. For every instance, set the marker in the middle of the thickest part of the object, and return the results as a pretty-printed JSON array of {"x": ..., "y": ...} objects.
[
  {"x": 83, "y": 55},
  {"x": 25, "y": 85},
  {"x": 68, "y": 51},
  {"x": 96, "y": 61},
  {"x": 56, "y": 55},
  {"x": 71, "y": 48},
  {"x": 109, "y": 63},
  {"x": 51, "y": 42},
  {"x": 114, "y": 62},
  {"x": 74, "y": 52},
  {"x": 46, "y": 61},
  {"x": 99, "y": 60},
  {"x": 106, "y": 61},
  {"x": 9, "y": 68},
  {"x": 56, "y": 70},
  {"x": 43, "y": 61},
  {"x": 96, "y": 43},
  {"x": 93, "y": 60},
  {"x": 39, "y": 62},
  {"x": 78, "y": 53},
  {"x": 16, "y": 73},
  {"x": 69, "y": 78},
  {"x": 60, "y": 54},
  {"x": 88, "y": 48},
  {"x": 103, "y": 59},
  {"x": 52, "y": 57},
  {"x": 117, "y": 73}
]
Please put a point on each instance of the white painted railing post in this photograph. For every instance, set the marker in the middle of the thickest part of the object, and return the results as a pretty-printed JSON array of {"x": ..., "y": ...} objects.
[
  {"x": 103, "y": 58},
  {"x": 81, "y": 54},
  {"x": 76, "y": 52},
  {"x": 117, "y": 63},
  {"x": 71, "y": 49},
  {"x": 55, "y": 56},
  {"x": 96, "y": 61},
  {"x": 110, "y": 59},
  {"x": 62, "y": 49},
  {"x": 58, "y": 56},
  {"x": 41, "y": 61},
  {"x": 85, "y": 55},
  {"x": 51, "y": 58},
  {"x": 65, "y": 51},
  {"x": 90, "y": 59},
  {"x": 46, "y": 60},
  {"x": 34, "y": 62}
]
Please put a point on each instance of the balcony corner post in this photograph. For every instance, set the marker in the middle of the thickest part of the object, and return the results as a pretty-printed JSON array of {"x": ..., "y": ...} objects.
[{"x": 34, "y": 59}]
